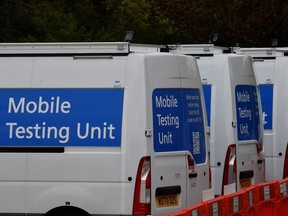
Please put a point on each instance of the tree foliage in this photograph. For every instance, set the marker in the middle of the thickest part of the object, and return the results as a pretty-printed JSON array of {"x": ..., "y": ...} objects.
[{"x": 249, "y": 23}]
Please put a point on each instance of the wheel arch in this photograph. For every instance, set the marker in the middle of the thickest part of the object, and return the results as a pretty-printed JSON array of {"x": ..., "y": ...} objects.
[{"x": 67, "y": 211}]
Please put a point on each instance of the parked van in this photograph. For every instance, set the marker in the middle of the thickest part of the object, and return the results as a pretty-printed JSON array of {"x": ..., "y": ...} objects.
[
  {"x": 234, "y": 115},
  {"x": 93, "y": 129},
  {"x": 271, "y": 74}
]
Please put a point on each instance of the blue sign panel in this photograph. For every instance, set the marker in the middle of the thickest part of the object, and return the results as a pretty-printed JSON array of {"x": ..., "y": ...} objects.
[
  {"x": 178, "y": 122},
  {"x": 61, "y": 117},
  {"x": 248, "y": 119},
  {"x": 207, "y": 95},
  {"x": 266, "y": 93}
]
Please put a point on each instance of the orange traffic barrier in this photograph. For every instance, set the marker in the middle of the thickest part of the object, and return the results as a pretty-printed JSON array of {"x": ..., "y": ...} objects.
[
  {"x": 283, "y": 197},
  {"x": 178, "y": 213},
  {"x": 268, "y": 194},
  {"x": 236, "y": 203},
  {"x": 252, "y": 200},
  {"x": 197, "y": 210},
  {"x": 265, "y": 199},
  {"x": 216, "y": 206}
]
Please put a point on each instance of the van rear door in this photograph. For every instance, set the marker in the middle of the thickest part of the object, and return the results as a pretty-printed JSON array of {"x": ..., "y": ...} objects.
[
  {"x": 250, "y": 163},
  {"x": 164, "y": 118},
  {"x": 248, "y": 133},
  {"x": 194, "y": 119},
  {"x": 170, "y": 94}
]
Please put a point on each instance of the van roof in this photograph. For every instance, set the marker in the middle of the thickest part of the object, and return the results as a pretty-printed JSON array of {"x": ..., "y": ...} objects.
[
  {"x": 117, "y": 48},
  {"x": 263, "y": 52},
  {"x": 146, "y": 48},
  {"x": 197, "y": 49}
]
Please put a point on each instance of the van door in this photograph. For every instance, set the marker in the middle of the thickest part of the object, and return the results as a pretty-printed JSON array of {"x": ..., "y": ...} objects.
[
  {"x": 249, "y": 135},
  {"x": 194, "y": 119},
  {"x": 164, "y": 118}
]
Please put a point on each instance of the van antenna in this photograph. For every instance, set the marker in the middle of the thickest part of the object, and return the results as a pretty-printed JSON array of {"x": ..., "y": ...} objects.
[
  {"x": 274, "y": 42},
  {"x": 180, "y": 38},
  {"x": 213, "y": 38},
  {"x": 128, "y": 36}
]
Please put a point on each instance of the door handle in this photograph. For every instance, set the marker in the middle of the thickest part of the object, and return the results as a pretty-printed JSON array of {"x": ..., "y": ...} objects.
[{"x": 193, "y": 175}]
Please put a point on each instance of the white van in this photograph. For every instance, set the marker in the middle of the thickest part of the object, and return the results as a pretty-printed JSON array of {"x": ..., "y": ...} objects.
[
  {"x": 234, "y": 115},
  {"x": 92, "y": 129},
  {"x": 271, "y": 69}
]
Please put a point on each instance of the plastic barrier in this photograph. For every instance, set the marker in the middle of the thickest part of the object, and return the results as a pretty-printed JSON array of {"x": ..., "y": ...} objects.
[
  {"x": 252, "y": 200},
  {"x": 216, "y": 206},
  {"x": 197, "y": 210},
  {"x": 236, "y": 204},
  {"x": 283, "y": 197},
  {"x": 265, "y": 199},
  {"x": 178, "y": 213},
  {"x": 268, "y": 194}
]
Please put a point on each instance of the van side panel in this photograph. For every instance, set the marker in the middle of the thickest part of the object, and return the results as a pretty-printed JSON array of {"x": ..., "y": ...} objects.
[
  {"x": 135, "y": 144},
  {"x": 53, "y": 179},
  {"x": 13, "y": 177},
  {"x": 66, "y": 72},
  {"x": 280, "y": 124},
  {"x": 221, "y": 130},
  {"x": 264, "y": 72},
  {"x": 272, "y": 81}
]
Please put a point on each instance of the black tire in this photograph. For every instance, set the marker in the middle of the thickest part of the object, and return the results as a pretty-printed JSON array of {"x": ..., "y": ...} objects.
[{"x": 67, "y": 211}]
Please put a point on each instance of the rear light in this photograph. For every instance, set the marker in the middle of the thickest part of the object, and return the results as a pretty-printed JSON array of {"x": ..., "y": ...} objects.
[
  {"x": 191, "y": 163},
  {"x": 259, "y": 148},
  {"x": 230, "y": 167},
  {"x": 285, "y": 171},
  {"x": 142, "y": 195}
]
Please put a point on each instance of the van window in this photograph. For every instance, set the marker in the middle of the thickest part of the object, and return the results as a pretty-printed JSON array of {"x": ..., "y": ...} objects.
[
  {"x": 248, "y": 119},
  {"x": 178, "y": 122}
]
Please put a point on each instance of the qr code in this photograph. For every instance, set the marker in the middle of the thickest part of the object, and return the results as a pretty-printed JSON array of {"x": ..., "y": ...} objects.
[{"x": 196, "y": 142}]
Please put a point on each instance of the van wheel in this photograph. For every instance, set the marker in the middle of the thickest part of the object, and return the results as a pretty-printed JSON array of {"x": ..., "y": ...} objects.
[{"x": 67, "y": 211}]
